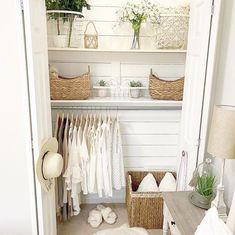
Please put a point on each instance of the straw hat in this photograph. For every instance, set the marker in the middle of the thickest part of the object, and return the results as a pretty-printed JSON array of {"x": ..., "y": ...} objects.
[{"x": 49, "y": 164}]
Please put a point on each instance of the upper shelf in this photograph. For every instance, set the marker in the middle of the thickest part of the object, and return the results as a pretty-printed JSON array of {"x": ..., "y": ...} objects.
[{"x": 114, "y": 51}]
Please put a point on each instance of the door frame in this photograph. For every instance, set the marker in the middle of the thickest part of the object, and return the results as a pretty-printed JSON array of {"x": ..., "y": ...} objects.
[{"x": 210, "y": 79}]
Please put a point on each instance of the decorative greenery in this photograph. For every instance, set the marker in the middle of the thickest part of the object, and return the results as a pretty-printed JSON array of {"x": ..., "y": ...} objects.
[
  {"x": 205, "y": 185},
  {"x": 135, "y": 84},
  {"x": 66, "y": 5},
  {"x": 137, "y": 13},
  {"x": 103, "y": 83}
]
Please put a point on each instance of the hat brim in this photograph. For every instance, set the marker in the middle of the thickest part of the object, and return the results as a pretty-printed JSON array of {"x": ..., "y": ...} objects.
[{"x": 51, "y": 145}]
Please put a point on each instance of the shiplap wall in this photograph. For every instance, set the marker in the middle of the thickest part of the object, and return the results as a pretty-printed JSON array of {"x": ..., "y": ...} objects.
[
  {"x": 119, "y": 67},
  {"x": 150, "y": 141},
  {"x": 104, "y": 15},
  {"x": 150, "y": 137}
]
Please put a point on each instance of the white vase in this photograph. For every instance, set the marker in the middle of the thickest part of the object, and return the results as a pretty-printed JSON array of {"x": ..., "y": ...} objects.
[
  {"x": 135, "y": 93},
  {"x": 60, "y": 40},
  {"x": 102, "y": 92}
]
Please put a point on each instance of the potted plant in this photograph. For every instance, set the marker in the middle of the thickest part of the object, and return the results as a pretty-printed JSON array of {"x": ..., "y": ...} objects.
[
  {"x": 136, "y": 14},
  {"x": 102, "y": 92},
  {"x": 135, "y": 90},
  {"x": 203, "y": 180},
  {"x": 205, "y": 188},
  {"x": 65, "y": 5}
]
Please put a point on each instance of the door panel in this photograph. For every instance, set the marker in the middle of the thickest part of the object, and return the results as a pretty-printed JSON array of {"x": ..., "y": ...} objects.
[
  {"x": 37, "y": 59},
  {"x": 195, "y": 74}
]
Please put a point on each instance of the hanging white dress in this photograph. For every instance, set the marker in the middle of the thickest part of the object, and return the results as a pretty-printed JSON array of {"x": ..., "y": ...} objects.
[
  {"x": 76, "y": 176},
  {"x": 92, "y": 188},
  {"x": 118, "y": 175},
  {"x": 109, "y": 154},
  {"x": 84, "y": 159},
  {"x": 104, "y": 157},
  {"x": 99, "y": 166}
]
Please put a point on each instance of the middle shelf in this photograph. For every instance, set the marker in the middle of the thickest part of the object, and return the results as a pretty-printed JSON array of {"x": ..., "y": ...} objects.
[{"x": 118, "y": 102}]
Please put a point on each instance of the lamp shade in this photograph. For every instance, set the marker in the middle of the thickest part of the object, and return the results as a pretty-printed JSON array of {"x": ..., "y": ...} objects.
[{"x": 222, "y": 133}]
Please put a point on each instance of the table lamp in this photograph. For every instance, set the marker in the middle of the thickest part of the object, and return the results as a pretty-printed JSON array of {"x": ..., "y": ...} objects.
[{"x": 221, "y": 144}]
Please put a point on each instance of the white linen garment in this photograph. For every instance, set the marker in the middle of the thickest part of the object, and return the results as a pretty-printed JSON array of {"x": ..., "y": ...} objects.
[
  {"x": 84, "y": 158},
  {"x": 92, "y": 153},
  {"x": 118, "y": 174}
]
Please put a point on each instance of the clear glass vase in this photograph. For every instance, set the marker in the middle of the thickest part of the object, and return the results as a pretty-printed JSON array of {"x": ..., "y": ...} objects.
[{"x": 136, "y": 40}]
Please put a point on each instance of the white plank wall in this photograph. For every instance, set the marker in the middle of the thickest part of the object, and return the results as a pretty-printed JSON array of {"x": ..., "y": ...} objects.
[
  {"x": 119, "y": 68},
  {"x": 150, "y": 137},
  {"x": 150, "y": 141},
  {"x": 104, "y": 16}
]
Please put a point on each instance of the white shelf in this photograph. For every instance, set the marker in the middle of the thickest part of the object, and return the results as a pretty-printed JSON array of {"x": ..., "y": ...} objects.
[
  {"x": 114, "y": 51},
  {"x": 120, "y": 102}
]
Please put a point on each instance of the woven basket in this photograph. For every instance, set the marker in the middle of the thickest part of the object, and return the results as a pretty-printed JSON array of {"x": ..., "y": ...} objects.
[
  {"x": 172, "y": 31},
  {"x": 77, "y": 88},
  {"x": 165, "y": 90},
  {"x": 144, "y": 209}
]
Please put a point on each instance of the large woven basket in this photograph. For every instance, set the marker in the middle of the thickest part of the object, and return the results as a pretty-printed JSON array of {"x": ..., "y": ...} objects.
[
  {"x": 76, "y": 88},
  {"x": 172, "y": 30},
  {"x": 165, "y": 90},
  {"x": 144, "y": 209}
]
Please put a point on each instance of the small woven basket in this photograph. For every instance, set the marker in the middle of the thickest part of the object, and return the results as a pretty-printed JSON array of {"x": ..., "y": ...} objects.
[
  {"x": 165, "y": 90},
  {"x": 91, "y": 40},
  {"x": 77, "y": 88},
  {"x": 144, "y": 209}
]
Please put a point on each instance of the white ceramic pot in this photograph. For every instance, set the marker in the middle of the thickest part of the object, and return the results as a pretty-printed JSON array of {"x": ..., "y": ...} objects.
[
  {"x": 102, "y": 92},
  {"x": 60, "y": 40},
  {"x": 135, "y": 93}
]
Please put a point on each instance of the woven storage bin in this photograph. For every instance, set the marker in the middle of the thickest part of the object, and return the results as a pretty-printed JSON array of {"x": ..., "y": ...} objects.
[
  {"x": 165, "y": 90},
  {"x": 144, "y": 209},
  {"x": 77, "y": 88},
  {"x": 172, "y": 31}
]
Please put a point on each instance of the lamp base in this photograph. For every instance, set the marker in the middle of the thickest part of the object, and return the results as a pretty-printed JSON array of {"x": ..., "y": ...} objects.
[{"x": 219, "y": 203}]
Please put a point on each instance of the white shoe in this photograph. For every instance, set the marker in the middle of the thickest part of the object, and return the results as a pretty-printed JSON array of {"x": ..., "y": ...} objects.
[
  {"x": 95, "y": 218},
  {"x": 108, "y": 215}
]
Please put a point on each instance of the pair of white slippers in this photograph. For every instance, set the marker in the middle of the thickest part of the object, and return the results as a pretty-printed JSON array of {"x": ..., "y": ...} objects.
[{"x": 101, "y": 212}]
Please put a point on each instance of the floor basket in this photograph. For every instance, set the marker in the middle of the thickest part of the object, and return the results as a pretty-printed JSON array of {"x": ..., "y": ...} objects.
[
  {"x": 165, "y": 90},
  {"x": 77, "y": 88},
  {"x": 144, "y": 209}
]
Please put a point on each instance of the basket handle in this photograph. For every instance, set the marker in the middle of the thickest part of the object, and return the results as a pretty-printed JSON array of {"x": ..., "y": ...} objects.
[
  {"x": 91, "y": 22},
  {"x": 151, "y": 73}
]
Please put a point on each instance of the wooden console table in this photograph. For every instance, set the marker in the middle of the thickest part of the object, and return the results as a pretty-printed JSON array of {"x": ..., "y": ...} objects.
[{"x": 180, "y": 216}]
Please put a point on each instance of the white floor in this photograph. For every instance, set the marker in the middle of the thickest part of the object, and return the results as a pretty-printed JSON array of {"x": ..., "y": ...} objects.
[{"x": 78, "y": 225}]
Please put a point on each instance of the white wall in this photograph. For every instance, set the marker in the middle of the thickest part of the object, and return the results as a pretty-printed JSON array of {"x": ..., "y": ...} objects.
[
  {"x": 17, "y": 211},
  {"x": 225, "y": 90}
]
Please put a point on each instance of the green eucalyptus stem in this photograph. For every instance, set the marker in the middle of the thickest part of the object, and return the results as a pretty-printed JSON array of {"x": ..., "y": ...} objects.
[
  {"x": 58, "y": 25},
  {"x": 71, "y": 20}
]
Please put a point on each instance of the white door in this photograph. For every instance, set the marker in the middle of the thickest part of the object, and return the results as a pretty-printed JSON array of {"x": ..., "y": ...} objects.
[
  {"x": 195, "y": 75},
  {"x": 37, "y": 61}
]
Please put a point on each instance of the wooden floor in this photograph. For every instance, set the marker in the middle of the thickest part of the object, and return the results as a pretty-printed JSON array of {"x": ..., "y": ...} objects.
[{"x": 79, "y": 226}]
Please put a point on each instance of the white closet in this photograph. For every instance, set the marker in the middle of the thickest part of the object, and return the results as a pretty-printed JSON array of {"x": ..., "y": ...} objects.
[{"x": 151, "y": 129}]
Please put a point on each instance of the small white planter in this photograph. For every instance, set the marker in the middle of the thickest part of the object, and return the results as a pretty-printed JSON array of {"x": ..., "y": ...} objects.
[
  {"x": 102, "y": 92},
  {"x": 60, "y": 40},
  {"x": 135, "y": 93}
]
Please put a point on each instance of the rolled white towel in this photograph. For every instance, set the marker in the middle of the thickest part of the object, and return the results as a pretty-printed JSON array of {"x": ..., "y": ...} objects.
[
  {"x": 95, "y": 218},
  {"x": 109, "y": 216}
]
